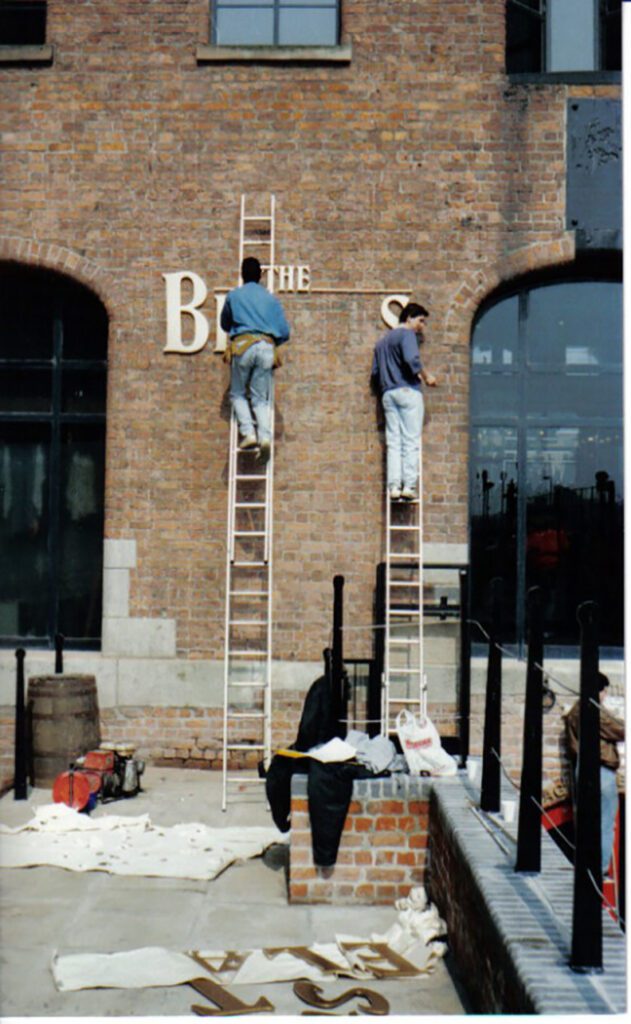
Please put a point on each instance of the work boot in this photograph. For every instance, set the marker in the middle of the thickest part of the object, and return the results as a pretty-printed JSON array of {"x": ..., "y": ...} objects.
[
  {"x": 265, "y": 452},
  {"x": 248, "y": 442},
  {"x": 394, "y": 493},
  {"x": 407, "y": 494}
]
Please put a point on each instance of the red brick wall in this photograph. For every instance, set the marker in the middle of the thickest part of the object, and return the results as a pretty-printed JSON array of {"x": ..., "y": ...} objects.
[
  {"x": 416, "y": 166},
  {"x": 382, "y": 853}
]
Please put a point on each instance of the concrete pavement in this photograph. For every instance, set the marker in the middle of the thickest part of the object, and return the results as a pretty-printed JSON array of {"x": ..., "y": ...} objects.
[{"x": 44, "y": 910}]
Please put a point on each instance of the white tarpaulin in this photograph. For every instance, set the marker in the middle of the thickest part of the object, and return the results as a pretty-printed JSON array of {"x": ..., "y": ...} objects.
[
  {"x": 412, "y": 936},
  {"x": 59, "y": 836}
]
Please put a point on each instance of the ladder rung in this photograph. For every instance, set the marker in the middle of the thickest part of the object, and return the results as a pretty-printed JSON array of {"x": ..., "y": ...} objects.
[
  {"x": 246, "y": 714},
  {"x": 249, "y": 533},
  {"x": 252, "y": 216},
  {"x": 246, "y": 780},
  {"x": 249, "y": 593},
  {"x": 251, "y": 476},
  {"x": 246, "y": 654},
  {"x": 257, "y": 241},
  {"x": 403, "y": 671},
  {"x": 249, "y": 504},
  {"x": 247, "y": 622},
  {"x": 404, "y": 700},
  {"x": 404, "y": 583},
  {"x": 404, "y": 554},
  {"x": 240, "y": 565},
  {"x": 254, "y": 682},
  {"x": 403, "y": 643},
  {"x": 245, "y": 746},
  {"x": 404, "y": 611},
  {"x": 394, "y": 527}
]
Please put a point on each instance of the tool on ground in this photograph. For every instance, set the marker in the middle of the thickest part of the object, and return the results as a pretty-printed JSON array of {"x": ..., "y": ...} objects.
[{"x": 108, "y": 773}]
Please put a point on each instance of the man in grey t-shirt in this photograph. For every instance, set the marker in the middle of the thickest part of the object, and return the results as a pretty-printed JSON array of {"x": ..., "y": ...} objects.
[{"x": 397, "y": 373}]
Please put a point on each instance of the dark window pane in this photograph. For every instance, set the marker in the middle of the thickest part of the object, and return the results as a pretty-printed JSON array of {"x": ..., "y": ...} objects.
[
  {"x": 25, "y": 390},
  {"x": 495, "y": 337},
  {"x": 574, "y": 547},
  {"x": 85, "y": 326},
  {"x": 22, "y": 23},
  {"x": 493, "y": 521},
  {"x": 611, "y": 35},
  {"x": 83, "y": 391},
  {"x": 574, "y": 395},
  {"x": 316, "y": 27},
  {"x": 26, "y": 317},
  {"x": 81, "y": 534},
  {"x": 495, "y": 394},
  {"x": 24, "y": 496},
  {"x": 240, "y": 27},
  {"x": 575, "y": 325},
  {"x": 524, "y": 36}
]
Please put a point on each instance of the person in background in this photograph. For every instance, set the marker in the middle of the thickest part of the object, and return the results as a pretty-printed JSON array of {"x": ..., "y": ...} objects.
[
  {"x": 256, "y": 323},
  {"x": 611, "y": 733},
  {"x": 397, "y": 375}
]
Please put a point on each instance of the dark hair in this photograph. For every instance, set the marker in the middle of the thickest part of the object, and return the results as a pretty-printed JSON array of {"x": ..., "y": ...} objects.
[
  {"x": 603, "y": 681},
  {"x": 250, "y": 269},
  {"x": 410, "y": 311}
]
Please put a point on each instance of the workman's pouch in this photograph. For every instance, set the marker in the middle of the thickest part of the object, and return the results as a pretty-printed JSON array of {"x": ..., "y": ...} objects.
[
  {"x": 243, "y": 342},
  {"x": 421, "y": 746}
]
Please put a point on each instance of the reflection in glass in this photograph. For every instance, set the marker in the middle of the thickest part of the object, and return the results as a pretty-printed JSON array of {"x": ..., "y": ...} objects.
[{"x": 546, "y": 457}]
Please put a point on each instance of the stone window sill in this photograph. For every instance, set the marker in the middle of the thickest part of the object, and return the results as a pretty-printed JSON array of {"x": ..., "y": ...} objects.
[
  {"x": 208, "y": 54},
  {"x": 566, "y": 78},
  {"x": 26, "y": 54}
]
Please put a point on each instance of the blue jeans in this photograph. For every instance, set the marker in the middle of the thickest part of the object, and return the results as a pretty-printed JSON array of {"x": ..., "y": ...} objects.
[
  {"x": 608, "y": 811},
  {"x": 403, "y": 409},
  {"x": 253, "y": 371}
]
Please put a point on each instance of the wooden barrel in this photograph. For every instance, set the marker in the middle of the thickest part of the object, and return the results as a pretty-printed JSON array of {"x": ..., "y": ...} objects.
[{"x": 64, "y": 718}]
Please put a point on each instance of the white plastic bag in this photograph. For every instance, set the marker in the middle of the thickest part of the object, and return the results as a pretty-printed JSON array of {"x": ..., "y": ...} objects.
[{"x": 421, "y": 745}]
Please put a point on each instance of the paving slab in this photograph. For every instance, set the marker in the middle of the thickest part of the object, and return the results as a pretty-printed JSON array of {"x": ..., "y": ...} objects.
[{"x": 45, "y": 910}]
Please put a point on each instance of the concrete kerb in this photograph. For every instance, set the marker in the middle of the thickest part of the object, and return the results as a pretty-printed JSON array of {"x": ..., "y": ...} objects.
[{"x": 525, "y": 923}]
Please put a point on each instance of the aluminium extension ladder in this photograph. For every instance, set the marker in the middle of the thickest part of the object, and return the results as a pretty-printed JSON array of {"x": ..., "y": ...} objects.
[
  {"x": 404, "y": 682},
  {"x": 247, "y": 702}
]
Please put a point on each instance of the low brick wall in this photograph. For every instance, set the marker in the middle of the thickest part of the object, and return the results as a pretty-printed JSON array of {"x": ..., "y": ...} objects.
[{"x": 383, "y": 850}]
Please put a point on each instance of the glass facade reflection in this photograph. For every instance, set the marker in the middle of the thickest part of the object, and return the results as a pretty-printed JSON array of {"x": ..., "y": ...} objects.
[
  {"x": 53, "y": 349},
  {"x": 546, "y": 492}
]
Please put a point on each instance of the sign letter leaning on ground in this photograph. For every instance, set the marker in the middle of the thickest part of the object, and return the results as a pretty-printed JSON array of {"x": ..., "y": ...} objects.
[{"x": 186, "y": 293}]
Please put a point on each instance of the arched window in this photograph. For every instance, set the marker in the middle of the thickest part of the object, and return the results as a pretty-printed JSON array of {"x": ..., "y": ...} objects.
[
  {"x": 546, "y": 486},
  {"x": 53, "y": 351}
]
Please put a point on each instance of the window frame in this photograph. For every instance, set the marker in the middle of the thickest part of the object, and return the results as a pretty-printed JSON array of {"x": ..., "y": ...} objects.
[
  {"x": 57, "y": 420},
  {"x": 521, "y": 422},
  {"x": 542, "y": 75},
  {"x": 276, "y": 6}
]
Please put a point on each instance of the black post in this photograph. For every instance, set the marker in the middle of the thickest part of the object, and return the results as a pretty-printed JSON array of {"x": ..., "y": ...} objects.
[
  {"x": 465, "y": 667},
  {"x": 337, "y": 658},
  {"x": 379, "y": 651},
  {"x": 587, "y": 938},
  {"x": 622, "y": 862},
  {"x": 529, "y": 833},
  {"x": 491, "y": 748},
  {"x": 21, "y": 731},
  {"x": 59, "y": 653}
]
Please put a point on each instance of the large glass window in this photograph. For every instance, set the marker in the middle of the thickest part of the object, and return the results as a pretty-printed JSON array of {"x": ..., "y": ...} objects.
[
  {"x": 563, "y": 35},
  {"x": 546, "y": 487},
  {"x": 53, "y": 349},
  {"x": 276, "y": 22}
]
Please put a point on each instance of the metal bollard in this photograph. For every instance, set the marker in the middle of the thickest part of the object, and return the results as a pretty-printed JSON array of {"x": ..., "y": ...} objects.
[
  {"x": 529, "y": 832},
  {"x": 21, "y": 731},
  {"x": 490, "y": 787}
]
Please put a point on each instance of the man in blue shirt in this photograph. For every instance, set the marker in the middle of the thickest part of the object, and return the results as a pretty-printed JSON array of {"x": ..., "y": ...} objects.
[
  {"x": 256, "y": 324},
  {"x": 397, "y": 373}
]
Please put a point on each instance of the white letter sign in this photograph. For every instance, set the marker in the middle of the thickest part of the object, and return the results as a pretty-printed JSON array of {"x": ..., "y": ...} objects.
[
  {"x": 389, "y": 317},
  {"x": 175, "y": 309}
]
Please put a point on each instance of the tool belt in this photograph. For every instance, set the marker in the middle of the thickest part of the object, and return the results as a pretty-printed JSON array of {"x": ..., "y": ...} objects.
[{"x": 237, "y": 346}]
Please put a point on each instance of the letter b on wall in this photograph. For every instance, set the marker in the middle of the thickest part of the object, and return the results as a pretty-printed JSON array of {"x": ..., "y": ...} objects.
[{"x": 176, "y": 309}]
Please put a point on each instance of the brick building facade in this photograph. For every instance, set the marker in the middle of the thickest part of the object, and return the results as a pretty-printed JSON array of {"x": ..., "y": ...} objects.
[{"x": 404, "y": 161}]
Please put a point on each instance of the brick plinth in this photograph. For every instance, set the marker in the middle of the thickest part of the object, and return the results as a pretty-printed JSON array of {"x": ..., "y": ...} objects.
[{"x": 383, "y": 850}]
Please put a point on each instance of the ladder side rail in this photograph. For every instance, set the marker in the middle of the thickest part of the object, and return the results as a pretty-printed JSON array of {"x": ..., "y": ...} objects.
[
  {"x": 241, "y": 236},
  {"x": 232, "y": 457},
  {"x": 269, "y": 537},
  {"x": 385, "y": 724},
  {"x": 421, "y": 663}
]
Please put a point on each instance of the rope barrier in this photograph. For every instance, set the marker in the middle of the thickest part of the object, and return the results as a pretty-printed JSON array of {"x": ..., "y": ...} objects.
[{"x": 609, "y": 905}]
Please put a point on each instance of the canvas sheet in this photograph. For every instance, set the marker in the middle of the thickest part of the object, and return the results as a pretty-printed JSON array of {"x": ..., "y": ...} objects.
[
  {"x": 413, "y": 936},
  {"x": 59, "y": 836}
]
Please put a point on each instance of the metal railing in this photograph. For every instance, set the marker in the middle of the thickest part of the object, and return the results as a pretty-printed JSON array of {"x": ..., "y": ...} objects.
[{"x": 588, "y": 900}]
